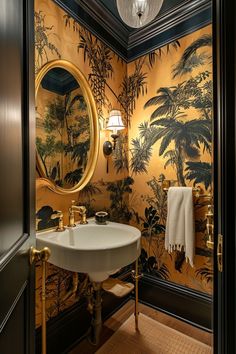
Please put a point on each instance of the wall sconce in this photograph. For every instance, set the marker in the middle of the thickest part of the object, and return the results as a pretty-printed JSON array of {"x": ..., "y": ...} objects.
[{"x": 114, "y": 124}]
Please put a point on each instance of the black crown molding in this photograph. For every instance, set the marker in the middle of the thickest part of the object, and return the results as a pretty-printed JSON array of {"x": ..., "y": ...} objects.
[
  {"x": 169, "y": 19},
  {"x": 174, "y": 23}
]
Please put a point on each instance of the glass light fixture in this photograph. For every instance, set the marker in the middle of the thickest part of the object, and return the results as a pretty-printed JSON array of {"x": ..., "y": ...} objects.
[
  {"x": 114, "y": 124},
  {"x": 138, "y": 13}
]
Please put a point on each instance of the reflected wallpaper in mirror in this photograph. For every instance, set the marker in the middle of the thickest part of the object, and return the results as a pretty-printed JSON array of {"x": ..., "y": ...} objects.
[{"x": 62, "y": 128}]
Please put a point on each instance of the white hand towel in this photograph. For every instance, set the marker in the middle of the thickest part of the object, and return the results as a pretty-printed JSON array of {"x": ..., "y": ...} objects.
[{"x": 180, "y": 233}]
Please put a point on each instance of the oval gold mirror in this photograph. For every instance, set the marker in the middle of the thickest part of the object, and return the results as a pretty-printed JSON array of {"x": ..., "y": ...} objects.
[{"x": 67, "y": 133}]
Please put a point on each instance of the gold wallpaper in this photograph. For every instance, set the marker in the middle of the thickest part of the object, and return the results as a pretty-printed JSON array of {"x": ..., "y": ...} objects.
[{"x": 166, "y": 103}]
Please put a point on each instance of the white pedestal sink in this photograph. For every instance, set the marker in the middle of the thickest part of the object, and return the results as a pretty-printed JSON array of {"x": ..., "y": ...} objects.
[{"x": 98, "y": 250}]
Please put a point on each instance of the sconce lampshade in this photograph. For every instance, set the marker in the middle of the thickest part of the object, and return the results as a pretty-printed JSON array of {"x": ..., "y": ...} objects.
[
  {"x": 115, "y": 121},
  {"x": 138, "y": 13}
]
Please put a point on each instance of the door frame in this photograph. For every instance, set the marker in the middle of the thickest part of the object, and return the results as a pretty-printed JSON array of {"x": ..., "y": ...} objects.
[
  {"x": 224, "y": 71},
  {"x": 28, "y": 61},
  {"x": 30, "y": 158}
]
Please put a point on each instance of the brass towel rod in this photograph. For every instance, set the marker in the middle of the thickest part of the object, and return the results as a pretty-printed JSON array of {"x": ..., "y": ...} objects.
[{"x": 196, "y": 191}]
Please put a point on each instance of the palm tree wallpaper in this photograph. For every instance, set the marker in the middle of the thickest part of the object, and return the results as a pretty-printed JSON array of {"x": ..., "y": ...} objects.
[
  {"x": 62, "y": 135},
  {"x": 166, "y": 102}
]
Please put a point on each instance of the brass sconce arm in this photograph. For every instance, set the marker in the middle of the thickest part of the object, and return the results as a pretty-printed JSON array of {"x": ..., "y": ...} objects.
[{"x": 114, "y": 124}]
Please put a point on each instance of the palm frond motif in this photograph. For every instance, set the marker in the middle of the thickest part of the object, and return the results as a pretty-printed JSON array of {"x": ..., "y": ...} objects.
[
  {"x": 199, "y": 172},
  {"x": 42, "y": 42},
  {"x": 150, "y": 265},
  {"x": 89, "y": 190},
  {"x": 185, "y": 64},
  {"x": 73, "y": 177},
  {"x": 132, "y": 87},
  {"x": 158, "y": 53},
  {"x": 159, "y": 199},
  {"x": 119, "y": 191},
  {"x": 48, "y": 148},
  {"x": 87, "y": 197},
  {"x": 70, "y": 22},
  {"x": 151, "y": 225},
  {"x": 99, "y": 58},
  {"x": 120, "y": 156},
  {"x": 206, "y": 273},
  {"x": 172, "y": 159},
  {"x": 187, "y": 137},
  {"x": 170, "y": 100},
  {"x": 141, "y": 150}
]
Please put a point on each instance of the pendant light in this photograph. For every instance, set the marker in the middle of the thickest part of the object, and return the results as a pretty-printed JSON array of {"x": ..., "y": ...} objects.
[{"x": 138, "y": 13}]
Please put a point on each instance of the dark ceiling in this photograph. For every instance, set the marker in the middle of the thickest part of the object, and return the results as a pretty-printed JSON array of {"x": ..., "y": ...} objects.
[
  {"x": 110, "y": 6},
  {"x": 176, "y": 19}
]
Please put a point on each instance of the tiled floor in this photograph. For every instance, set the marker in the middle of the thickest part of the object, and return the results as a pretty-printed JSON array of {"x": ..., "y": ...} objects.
[{"x": 115, "y": 321}]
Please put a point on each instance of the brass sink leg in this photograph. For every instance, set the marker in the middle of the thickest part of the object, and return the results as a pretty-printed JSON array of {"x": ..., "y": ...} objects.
[
  {"x": 136, "y": 276},
  {"x": 43, "y": 256}
]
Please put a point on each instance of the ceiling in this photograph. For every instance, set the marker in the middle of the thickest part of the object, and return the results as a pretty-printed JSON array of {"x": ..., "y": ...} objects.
[
  {"x": 59, "y": 81},
  {"x": 176, "y": 19},
  {"x": 110, "y": 6}
]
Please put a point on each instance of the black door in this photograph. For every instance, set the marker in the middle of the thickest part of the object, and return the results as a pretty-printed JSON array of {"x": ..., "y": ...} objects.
[
  {"x": 224, "y": 26},
  {"x": 16, "y": 176}
]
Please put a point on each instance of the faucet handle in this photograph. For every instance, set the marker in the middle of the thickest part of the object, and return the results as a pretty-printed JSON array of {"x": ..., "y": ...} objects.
[
  {"x": 59, "y": 215},
  {"x": 72, "y": 215},
  {"x": 82, "y": 212},
  {"x": 37, "y": 221}
]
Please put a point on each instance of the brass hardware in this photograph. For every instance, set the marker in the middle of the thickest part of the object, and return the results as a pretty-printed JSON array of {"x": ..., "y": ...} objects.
[
  {"x": 42, "y": 255},
  {"x": 72, "y": 215},
  {"x": 36, "y": 255},
  {"x": 197, "y": 191},
  {"x": 37, "y": 221},
  {"x": 220, "y": 253},
  {"x": 59, "y": 215},
  {"x": 77, "y": 209},
  {"x": 210, "y": 227},
  {"x": 136, "y": 276}
]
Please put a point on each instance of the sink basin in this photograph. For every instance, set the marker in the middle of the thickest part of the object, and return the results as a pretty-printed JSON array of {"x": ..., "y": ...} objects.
[{"x": 98, "y": 250}]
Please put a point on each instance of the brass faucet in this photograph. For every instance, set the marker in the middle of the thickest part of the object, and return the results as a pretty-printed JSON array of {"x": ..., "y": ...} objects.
[
  {"x": 210, "y": 227},
  {"x": 77, "y": 209},
  {"x": 59, "y": 215}
]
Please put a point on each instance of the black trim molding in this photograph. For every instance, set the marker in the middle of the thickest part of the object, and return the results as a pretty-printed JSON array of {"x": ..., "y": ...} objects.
[
  {"x": 176, "y": 22},
  {"x": 67, "y": 329},
  {"x": 178, "y": 301}
]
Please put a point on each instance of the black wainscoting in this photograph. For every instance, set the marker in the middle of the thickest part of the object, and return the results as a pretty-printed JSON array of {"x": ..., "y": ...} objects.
[
  {"x": 183, "y": 303},
  {"x": 72, "y": 325}
]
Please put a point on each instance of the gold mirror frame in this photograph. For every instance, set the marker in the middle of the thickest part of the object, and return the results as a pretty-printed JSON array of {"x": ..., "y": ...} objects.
[{"x": 94, "y": 127}]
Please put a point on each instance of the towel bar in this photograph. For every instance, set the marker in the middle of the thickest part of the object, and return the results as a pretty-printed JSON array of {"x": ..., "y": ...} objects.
[{"x": 196, "y": 192}]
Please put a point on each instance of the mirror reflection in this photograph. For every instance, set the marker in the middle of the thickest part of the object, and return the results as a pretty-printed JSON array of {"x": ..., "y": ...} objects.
[{"x": 62, "y": 128}]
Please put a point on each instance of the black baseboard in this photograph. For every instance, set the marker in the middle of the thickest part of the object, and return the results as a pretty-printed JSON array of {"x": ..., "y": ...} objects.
[
  {"x": 72, "y": 325},
  {"x": 183, "y": 303}
]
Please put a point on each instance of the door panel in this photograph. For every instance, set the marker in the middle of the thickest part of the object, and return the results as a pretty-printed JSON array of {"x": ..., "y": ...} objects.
[
  {"x": 17, "y": 165},
  {"x": 224, "y": 29},
  {"x": 11, "y": 162}
]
